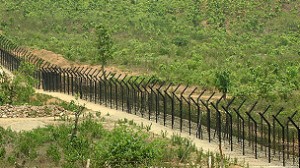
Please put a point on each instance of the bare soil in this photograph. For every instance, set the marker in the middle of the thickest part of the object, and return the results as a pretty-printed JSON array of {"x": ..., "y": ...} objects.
[{"x": 59, "y": 60}]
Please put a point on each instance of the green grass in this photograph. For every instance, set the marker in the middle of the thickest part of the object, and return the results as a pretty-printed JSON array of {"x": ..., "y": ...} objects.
[
  {"x": 126, "y": 145},
  {"x": 180, "y": 41}
]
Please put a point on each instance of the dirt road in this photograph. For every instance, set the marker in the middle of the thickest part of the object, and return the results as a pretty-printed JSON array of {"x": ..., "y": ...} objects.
[{"x": 115, "y": 115}]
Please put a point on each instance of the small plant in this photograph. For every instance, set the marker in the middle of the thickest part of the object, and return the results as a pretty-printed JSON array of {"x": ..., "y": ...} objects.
[
  {"x": 11, "y": 159},
  {"x": 53, "y": 153},
  {"x": 2, "y": 152},
  {"x": 235, "y": 161},
  {"x": 212, "y": 160},
  {"x": 98, "y": 114},
  {"x": 131, "y": 122},
  {"x": 164, "y": 133},
  {"x": 64, "y": 117},
  {"x": 185, "y": 147},
  {"x": 78, "y": 110},
  {"x": 200, "y": 155},
  {"x": 148, "y": 127}
]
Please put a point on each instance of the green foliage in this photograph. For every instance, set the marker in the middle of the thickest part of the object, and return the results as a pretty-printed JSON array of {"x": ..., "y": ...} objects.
[
  {"x": 179, "y": 41},
  {"x": 222, "y": 81},
  {"x": 17, "y": 89},
  {"x": 77, "y": 109},
  {"x": 2, "y": 152},
  {"x": 186, "y": 147},
  {"x": 126, "y": 145},
  {"x": 54, "y": 153},
  {"x": 104, "y": 45}
]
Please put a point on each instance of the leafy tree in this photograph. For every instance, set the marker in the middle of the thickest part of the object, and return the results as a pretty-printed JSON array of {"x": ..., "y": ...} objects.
[
  {"x": 222, "y": 81},
  {"x": 18, "y": 88},
  {"x": 104, "y": 46}
]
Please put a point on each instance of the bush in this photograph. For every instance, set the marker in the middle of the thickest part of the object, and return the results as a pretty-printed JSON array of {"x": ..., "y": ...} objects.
[{"x": 125, "y": 147}]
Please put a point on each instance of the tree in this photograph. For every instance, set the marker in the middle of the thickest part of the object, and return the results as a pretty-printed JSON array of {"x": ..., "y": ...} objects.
[
  {"x": 104, "y": 46},
  {"x": 77, "y": 109},
  {"x": 222, "y": 81}
]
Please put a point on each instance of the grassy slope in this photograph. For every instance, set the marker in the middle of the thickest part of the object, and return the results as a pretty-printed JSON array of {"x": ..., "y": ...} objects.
[
  {"x": 125, "y": 145},
  {"x": 180, "y": 41}
]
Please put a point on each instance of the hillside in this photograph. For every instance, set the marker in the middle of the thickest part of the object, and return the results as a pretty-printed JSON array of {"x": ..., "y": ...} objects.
[{"x": 255, "y": 43}]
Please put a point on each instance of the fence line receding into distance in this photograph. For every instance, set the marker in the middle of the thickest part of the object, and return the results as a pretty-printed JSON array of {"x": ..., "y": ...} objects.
[{"x": 232, "y": 122}]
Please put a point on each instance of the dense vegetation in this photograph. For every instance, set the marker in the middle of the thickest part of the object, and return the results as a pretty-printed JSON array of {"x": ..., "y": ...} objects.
[
  {"x": 18, "y": 89},
  {"x": 254, "y": 43},
  {"x": 126, "y": 145}
]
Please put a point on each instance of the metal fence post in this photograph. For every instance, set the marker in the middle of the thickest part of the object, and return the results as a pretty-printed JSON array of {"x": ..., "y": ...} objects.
[
  {"x": 165, "y": 101},
  {"x": 298, "y": 130},
  {"x": 208, "y": 115},
  {"x": 283, "y": 140},
  {"x": 157, "y": 102},
  {"x": 188, "y": 101},
  {"x": 198, "y": 132},
  {"x": 151, "y": 97},
  {"x": 287, "y": 134},
  {"x": 269, "y": 134}
]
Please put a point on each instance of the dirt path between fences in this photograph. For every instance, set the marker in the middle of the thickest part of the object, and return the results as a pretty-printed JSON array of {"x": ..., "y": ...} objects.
[
  {"x": 19, "y": 124},
  {"x": 156, "y": 128}
]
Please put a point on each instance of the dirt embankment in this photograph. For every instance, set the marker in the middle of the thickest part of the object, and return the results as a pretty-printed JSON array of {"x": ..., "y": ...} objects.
[{"x": 59, "y": 60}]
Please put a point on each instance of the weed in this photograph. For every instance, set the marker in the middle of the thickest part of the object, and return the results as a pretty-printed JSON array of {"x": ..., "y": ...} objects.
[
  {"x": 2, "y": 152},
  {"x": 11, "y": 159},
  {"x": 54, "y": 153},
  {"x": 131, "y": 122},
  {"x": 98, "y": 114},
  {"x": 148, "y": 127},
  {"x": 164, "y": 133}
]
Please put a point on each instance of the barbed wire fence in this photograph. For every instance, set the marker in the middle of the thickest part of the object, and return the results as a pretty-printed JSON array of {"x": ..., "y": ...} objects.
[{"x": 206, "y": 115}]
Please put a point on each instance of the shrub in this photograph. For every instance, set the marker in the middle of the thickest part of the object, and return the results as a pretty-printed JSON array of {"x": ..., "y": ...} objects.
[{"x": 125, "y": 147}]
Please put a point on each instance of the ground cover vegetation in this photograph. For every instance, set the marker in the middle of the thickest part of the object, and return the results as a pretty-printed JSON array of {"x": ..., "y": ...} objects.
[
  {"x": 80, "y": 141},
  {"x": 252, "y": 45},
  {"x": 123, "y": 145},
  {"x": 17, "y": 89}
]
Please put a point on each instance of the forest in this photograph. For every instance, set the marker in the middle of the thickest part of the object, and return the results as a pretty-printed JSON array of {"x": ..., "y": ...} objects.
[{"x": 251, "y": 45}]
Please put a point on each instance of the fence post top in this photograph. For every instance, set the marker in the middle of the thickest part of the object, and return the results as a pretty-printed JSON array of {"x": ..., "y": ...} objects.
[
  {"x": 230, "y": 102},
  {"x": 119, "y": 76},
  {"x": 276, "y": 119},
  {"x": 280, "y": 110},
  {"x": 176, "y": 88},
  {"x": 184, "y": 90},
  {"x": 252, "y": 108},
  {"x": 202, "y": 93},
  {"x": 170, "y": 84},
  {"x": 292, "y": 116},
  {"x": 193, "y": 91},
  {"x": 268, "y": 107},
  {"x": 293, "y": 122},
  {"x": 210, "y": 97}
]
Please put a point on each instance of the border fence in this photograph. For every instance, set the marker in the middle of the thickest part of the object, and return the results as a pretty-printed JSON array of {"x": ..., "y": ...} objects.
[{"x": 237, "y": 124}]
